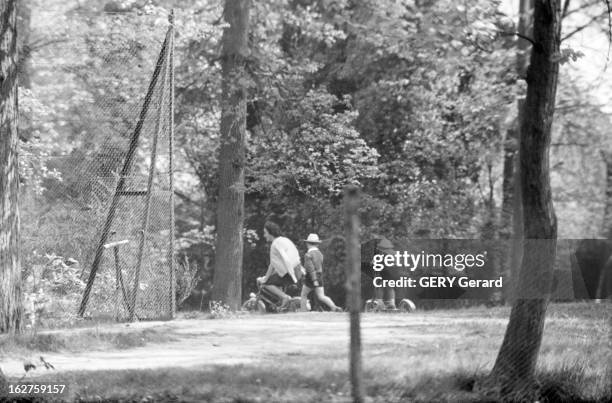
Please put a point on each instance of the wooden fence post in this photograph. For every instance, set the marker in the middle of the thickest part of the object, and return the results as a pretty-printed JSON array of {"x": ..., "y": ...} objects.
[{"x": 353, "y": 285}]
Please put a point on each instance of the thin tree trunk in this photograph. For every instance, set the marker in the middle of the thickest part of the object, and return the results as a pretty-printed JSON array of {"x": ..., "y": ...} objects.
[
  {"x": 525, "y": 29},
  {"x": 516, "y": 243},
  {"x": 24, "y": 63},
  {"x": 509, "y": 210},
  {"x": 604, "y": 284},
  {"x": 607, "y": 220},
  {"x": 10, "y": 271},
  {"x": 230, "y": 204},
  {"x": 490, "y": 233},
  {"x": 511, "y": 224},
  {"x": 515, "y": 365}
]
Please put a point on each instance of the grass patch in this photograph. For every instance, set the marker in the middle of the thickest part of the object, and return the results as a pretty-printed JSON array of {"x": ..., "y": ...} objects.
[
  {"x": 582, "y": 310},
  {"x": 266, "y": 384},
  {"x": 574, "y": 382},
  {"x": 90, "y": 339},
  {"x": 420, "y": 357},
  {"x": 557, "y": 310}
]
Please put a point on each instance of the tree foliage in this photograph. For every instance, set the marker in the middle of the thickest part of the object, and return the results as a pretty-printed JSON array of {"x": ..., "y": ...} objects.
[{"x": 408, "y": 99}]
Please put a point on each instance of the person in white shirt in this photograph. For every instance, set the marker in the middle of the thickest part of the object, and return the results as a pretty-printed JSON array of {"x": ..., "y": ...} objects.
[{"x": 285, "y": 263}]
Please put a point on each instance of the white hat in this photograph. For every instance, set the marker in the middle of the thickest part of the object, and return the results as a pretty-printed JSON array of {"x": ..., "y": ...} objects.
[
  {"x": 313, "y": 238},
  {"x": 384, "y": 244}
]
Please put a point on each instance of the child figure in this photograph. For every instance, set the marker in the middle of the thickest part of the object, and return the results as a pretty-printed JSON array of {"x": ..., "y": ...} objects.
[{"x": 313, "y": 263}]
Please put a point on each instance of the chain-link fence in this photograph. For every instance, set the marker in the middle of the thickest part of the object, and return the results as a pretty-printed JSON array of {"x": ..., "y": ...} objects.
[{"x": 96, "y": 205}]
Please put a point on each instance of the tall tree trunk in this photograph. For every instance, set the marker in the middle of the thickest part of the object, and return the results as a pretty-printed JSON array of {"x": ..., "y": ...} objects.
[
  {"x": 515, "y": 365},
  {"x": 10, "y": 271},
  {"x": 230, "y": 204}
]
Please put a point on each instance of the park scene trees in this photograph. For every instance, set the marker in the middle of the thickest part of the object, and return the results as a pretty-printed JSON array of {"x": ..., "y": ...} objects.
[{"x": 471, "y": 120}]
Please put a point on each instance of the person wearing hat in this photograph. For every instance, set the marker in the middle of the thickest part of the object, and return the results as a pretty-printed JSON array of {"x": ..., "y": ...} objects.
[{"x": 313, "y": 280}]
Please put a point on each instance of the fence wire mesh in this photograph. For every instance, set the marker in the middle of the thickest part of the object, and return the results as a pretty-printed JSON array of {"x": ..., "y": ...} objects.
[{"x": 107, "y": 92}]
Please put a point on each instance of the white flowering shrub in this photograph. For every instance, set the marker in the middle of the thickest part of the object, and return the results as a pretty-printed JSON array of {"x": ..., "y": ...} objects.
[
  {"x": 219, "y": 310},
  {"x": 187, "y": 279},
  {"x": 54, "y": 287}
]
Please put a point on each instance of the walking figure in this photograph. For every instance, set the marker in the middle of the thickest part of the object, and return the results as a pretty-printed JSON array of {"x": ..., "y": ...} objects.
[{"x": 313, "y": 280}]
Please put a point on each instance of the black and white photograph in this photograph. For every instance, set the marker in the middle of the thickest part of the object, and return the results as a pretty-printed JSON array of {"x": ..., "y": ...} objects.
[{"x": 278, "y": 201}]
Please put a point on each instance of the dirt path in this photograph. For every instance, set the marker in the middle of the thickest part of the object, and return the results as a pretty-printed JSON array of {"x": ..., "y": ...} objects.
[{"x": 235, "y": 341}]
